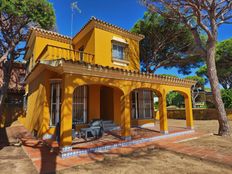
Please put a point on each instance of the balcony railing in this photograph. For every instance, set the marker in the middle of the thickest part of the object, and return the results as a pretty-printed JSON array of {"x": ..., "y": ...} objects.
[{"x": 51, "y": 52}]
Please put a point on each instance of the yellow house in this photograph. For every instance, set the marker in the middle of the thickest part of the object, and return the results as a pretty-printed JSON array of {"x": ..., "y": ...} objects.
[{"x": 94, "y": 75}]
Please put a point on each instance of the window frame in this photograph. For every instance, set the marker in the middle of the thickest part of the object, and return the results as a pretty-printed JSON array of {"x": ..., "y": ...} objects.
[
  {"x": 55, "y": 83},
  {"x": 124, "y": 47}
]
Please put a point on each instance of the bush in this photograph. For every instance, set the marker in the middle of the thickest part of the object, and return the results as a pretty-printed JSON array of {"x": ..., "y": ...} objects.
[{"x": 227, "y": 97}]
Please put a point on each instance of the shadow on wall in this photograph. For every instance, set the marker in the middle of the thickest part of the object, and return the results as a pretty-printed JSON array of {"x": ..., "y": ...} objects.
[{"x": 134, "y": 52}]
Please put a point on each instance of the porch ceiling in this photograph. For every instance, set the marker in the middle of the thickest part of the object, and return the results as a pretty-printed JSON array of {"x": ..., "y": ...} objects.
[{"x": 62, "y": 66}]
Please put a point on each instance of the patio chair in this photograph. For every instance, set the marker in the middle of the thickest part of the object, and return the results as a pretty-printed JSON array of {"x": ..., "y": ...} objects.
[{"x": 95, "y": 130}]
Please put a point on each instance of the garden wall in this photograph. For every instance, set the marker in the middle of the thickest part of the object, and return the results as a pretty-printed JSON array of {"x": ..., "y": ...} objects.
[
  {"x": 11, "y": 113},
  {"x": 198, "y": 113}
]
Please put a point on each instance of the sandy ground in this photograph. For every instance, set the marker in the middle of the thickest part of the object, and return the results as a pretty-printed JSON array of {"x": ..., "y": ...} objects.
[
  {"x": 202, "y": 125},
  {"x": 14, "y": 160},
  {"x": 155, "y": 161}
]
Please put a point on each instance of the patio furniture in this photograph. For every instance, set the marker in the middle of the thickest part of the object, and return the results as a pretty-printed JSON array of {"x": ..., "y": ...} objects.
[{"x": 95, "y": 130}]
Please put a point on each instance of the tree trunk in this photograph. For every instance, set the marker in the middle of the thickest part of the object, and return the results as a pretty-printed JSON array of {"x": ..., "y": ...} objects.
[
  {"x": 224, "y": 129},
  {"x": 7, "y": 68},
  {"x": 193, "y": 99}
]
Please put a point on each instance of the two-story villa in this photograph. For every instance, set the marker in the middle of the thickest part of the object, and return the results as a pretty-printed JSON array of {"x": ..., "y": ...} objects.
[{"x": 94, "y": 75}]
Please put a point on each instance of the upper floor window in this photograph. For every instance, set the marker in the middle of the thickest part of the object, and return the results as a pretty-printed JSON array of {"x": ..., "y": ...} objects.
[{"x": 118, "y": 51}]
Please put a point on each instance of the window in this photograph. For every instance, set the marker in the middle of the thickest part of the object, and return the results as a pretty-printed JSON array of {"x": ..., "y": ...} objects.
[
  {"x": 118, "y": 51},
  {"x": 80, "y": 105},
  {"x": 142, "y": 104},
  {"x": 55, "y": 102}
]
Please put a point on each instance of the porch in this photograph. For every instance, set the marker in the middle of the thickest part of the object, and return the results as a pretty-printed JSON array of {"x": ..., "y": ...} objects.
[
  {"x": 112, "y": 141},
  {"x": 74, "y": 93}
]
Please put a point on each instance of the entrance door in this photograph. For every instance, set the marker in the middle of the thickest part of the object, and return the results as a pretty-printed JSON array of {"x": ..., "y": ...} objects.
[
  {"x": 106, "y": 103},
  {"x": 55, "y": 102}
]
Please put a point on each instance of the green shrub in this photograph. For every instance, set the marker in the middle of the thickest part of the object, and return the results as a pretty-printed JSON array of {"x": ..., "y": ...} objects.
[{"x": 227, "y": 97}]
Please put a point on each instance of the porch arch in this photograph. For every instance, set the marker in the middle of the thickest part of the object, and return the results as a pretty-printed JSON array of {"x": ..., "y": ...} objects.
[
  {"x": 101, "y": 101},
  {"x": 162, "y": 110},
  {"x": 188, "y": 106},
  {"x": 136, "y": 93}
]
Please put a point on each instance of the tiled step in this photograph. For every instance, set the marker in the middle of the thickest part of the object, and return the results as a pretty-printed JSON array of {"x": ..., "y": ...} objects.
[{"x": 108, "y": 125}]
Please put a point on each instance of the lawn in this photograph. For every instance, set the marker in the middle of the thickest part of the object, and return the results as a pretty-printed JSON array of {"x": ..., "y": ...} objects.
[{"x": 14, "y": 160}]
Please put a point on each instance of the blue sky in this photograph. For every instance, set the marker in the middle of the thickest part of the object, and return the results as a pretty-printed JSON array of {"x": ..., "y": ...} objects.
[{"x": 123, "y": 13}]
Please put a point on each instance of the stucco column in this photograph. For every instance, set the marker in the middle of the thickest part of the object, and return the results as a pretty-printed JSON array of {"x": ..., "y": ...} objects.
[
  {"x": 126, "y": 117},
  {"x": 66, "y": 113},
  {"x": 163, "y": 114},
  {"x": 189, "y": 111}
]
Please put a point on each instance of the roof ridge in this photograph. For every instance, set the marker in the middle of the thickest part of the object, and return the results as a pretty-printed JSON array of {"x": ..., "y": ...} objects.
[
  {"x": 50, "y": 32},
  {"x": 110, "y": 24},
  {"x": 93, "y": 18}
]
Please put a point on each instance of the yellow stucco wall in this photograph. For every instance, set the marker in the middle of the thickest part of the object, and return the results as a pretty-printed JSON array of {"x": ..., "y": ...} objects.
[
  {"x": 41, "y": 42},
  {"x": 88, "y": 42},
  {"x": 93, "y": 102},
  {"x": 38, "y": 46},
  {"x": 38, "y": 110},
  {"x": 103, "y": 50}
]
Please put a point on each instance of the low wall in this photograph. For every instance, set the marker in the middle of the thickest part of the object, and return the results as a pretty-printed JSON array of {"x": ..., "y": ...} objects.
[
  {"x": 198, "y": 113},
  {"x": 11, "y": 113}
]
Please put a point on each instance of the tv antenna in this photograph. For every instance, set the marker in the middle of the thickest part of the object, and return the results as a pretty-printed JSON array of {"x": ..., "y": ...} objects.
[{"x": 74, "y": 7}]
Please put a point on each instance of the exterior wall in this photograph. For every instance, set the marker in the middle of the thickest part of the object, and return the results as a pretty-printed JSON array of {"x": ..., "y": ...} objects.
[
  {"x": 88, "y": 42},
  {"x": 117, "y": 106},
  {"x": 93, "y": 102},
  {"x": 40, "y": 43},
  {"x": 198, "y": 114},
  {"x": 38, "y": 111},
  {"x": 103, "y": 50},
  {"x": 97, "y": 42},
  {"x": 106, "y": 103},
  {"x": 36, "y": 100}
]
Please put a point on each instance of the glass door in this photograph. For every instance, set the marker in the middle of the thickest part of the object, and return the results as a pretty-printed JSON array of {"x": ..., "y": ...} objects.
[
  {"x": 55, "y": 102},
  {"x": 135, "y": 104}
]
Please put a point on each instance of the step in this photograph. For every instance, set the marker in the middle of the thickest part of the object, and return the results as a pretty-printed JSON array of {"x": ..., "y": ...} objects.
[
  {"x": 107, "y": 121},
  {"x": 112, "y": 128}
]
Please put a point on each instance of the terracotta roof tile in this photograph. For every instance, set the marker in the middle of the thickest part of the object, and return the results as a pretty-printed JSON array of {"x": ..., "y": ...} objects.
[
  {"x": 50, "y": 32},
  {"x": 108, "y": 24}
]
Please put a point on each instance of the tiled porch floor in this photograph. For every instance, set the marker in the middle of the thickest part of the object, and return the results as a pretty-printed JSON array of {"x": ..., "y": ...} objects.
[{"x": 114, "y": 137}]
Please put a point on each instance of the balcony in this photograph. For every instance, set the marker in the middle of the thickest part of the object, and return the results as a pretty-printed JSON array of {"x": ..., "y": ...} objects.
[{"x": 51, "y": 52}]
